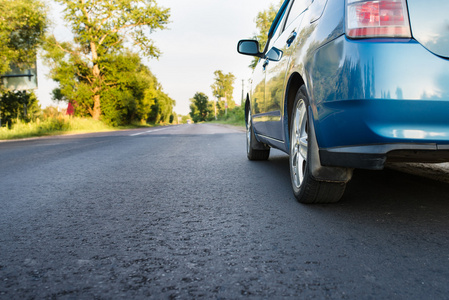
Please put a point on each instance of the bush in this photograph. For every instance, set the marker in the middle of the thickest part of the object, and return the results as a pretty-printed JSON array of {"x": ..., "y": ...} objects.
[
  {"x": 18, "y": 105},
  {"x": 235, "y": 116},
  {"x": 56, "y": 124}
]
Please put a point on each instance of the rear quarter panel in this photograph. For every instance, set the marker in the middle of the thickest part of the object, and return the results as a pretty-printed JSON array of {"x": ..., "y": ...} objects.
[{"x": 323, "y": 22}]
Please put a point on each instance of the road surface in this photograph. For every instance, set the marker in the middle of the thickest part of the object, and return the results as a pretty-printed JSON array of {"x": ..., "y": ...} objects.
[{"x": 180, "y": 213}]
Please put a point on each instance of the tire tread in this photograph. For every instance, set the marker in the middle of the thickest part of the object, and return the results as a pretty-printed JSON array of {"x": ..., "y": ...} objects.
[{"x": 321, "y": 192}]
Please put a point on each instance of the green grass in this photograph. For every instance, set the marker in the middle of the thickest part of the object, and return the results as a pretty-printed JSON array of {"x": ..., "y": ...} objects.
[
  {"x": 235, "y": 117},
  {"x": 230, "y": 122},
  {"x": 53, "y": 126}
]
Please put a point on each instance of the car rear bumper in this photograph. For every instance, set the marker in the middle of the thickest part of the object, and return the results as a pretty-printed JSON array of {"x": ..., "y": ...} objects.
[
  {"x": 375, "y": 157},
  {"x": 378, "y": 100}
]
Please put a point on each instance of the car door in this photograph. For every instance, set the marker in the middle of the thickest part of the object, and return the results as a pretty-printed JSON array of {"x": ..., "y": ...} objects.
[
  {"x": 258, "y": 98},
  {"x": 276, "y": 71},
  {"x": 258, "y": 89}
]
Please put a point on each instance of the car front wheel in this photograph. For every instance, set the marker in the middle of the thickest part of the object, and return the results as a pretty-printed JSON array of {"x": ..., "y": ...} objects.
[{"x": 254, "y": 149}]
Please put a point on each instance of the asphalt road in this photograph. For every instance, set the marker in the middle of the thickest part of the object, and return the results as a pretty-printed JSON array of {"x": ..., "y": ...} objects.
[{"x": 180, "y": 213}]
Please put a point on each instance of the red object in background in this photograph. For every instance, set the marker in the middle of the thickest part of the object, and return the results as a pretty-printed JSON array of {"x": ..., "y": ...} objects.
[{"x": 70, "y": 109}]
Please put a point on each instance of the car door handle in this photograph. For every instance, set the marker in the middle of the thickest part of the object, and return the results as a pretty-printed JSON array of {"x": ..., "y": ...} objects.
[
  {"x": 265, "y": 64},
  {"x": 291, "y": 38}
]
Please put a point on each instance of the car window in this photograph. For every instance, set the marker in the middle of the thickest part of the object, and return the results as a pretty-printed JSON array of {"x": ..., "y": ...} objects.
[
  {"x": 277, "y": 27},
  {"x": 296, "y": 9},
  {"x": 278, "y": 20}
]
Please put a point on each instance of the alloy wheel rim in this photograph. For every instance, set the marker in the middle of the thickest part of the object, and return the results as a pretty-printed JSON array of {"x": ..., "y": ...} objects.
[{"x": 299, "y": 144}]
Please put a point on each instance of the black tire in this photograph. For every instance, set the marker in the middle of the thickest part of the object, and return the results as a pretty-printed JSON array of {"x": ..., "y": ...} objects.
[
  {"x": 306, "y": 188},
  {"x": 254, "y": 149}
]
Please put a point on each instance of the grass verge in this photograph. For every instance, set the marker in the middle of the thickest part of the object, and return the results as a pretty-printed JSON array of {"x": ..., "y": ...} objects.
[
  {"x": 239, "y": 123},
  {"x": 53, "y": 126},
  {"x": 235, "y": 117}
]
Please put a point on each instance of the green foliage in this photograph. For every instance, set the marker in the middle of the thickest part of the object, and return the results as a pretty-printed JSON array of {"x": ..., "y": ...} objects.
[
  {"x": 162, "y": 109},
  {"x": 87, "y": 69},
  {"x": 104, "y": 25},
  {"x": 132, "y": 90},
  {"x": 173, "y": 118},
  {"x": 131, "y": 93},
  {"x": 184, "y": 119},
  {"x": 22, "y": 26},
  {"x": 235, "y": 117},
  {"x": 72, "y": 74},
  {"x": 18, "y": 106},
  {"x": 51, "y": 125},
  {"x": 263, "y": 21},
  {"x": 222, "y": 89},
  {"x": 200, "y": 109}
]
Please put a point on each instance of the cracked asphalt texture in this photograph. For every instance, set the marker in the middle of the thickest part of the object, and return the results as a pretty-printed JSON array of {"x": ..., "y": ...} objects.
[{"x": 181, "y": 213}]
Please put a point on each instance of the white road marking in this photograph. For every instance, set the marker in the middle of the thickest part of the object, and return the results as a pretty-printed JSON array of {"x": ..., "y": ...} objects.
[{"x": 149, "y": 131}]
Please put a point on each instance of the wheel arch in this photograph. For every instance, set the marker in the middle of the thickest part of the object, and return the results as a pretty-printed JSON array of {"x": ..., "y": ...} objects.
[
  {"x": 294, "y": 84},
  {"x": 319, "y": 172}
]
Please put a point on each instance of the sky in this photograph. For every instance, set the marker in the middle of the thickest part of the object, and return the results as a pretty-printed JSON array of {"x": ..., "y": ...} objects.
[{"x": 201, "y": 38}]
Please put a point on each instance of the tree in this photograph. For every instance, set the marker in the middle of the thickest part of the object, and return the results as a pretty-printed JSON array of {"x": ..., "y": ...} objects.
[
  {"x": 223, "y": 88},
  {"x": 131, "y": 93},
  {"x": 200, "y": 108},
  {"x": 22, "y": 27},
  {"x": 263, "y": 21},
  {"x": 101, "y": 28},
  {"x": 19, "y": 105},
  {"x": 184, "y": 119},
  {"x": 162, "y": 109},
  {"x": 131, "y": 90}
]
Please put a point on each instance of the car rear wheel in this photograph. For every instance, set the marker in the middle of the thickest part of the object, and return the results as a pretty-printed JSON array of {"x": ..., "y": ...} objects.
[
  {"x": 306, "y": 188},
  {"x": 254, "y": 149}
]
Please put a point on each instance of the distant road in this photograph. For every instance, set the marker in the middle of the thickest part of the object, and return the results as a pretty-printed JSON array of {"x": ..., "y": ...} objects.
[{"x": 179, "y": 212}]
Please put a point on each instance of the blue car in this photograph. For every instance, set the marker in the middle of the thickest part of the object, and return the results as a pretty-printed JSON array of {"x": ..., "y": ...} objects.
[{"x": 345, "y": 84}]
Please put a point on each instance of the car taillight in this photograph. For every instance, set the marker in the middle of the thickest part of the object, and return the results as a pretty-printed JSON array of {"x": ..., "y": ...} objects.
[{"x": 368, "y": 19}]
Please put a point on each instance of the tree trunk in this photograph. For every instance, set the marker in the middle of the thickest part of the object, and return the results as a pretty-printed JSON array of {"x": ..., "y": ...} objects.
[{"x": 96, "y": 110}]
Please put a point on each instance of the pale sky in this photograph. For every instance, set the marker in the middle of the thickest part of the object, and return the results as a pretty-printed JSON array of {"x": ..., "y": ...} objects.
[{"x": 202, "y": 38}]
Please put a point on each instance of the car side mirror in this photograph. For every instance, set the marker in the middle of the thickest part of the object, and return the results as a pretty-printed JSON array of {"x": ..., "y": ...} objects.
[
  {"x": 274, "y": 54},
  {"x": 249, "y": 47}
]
